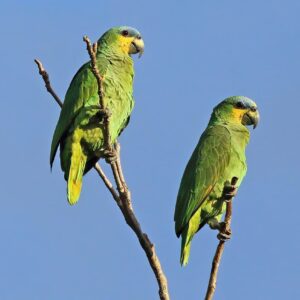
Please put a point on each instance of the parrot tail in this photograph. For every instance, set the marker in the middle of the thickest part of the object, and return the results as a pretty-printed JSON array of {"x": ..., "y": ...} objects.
[
  {"x": 187, "y": 235},
  {"x": 77, "y": 166},
  {"x": 186, "y": 240},
  {"x": 185, "y": 251}
]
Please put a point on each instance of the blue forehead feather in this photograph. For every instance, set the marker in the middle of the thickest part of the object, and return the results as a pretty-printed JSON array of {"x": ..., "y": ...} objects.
[
  {"x": 132, "y": 31},
  {"x": 246, "y": 101}
]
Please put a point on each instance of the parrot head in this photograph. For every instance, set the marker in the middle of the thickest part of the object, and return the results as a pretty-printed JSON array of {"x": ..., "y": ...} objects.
[
  {"x": 238, "y": 110},
  {"x": 124, "y": 39}
]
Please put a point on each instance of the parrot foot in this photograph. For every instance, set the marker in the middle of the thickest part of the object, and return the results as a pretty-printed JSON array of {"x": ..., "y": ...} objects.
[
  {"x": 110, "y": 156},
  {"x": 229, "y": 191},
  {"x": 224, "y": 235},
  {"x": 215, "y": 224},
  {"x": 104, "y": 113}
]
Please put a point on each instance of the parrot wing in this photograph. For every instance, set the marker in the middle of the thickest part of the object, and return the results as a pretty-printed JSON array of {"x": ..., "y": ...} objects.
[
  {"x": 82, "y": 87},
  {"x": 206, "y": 165}
]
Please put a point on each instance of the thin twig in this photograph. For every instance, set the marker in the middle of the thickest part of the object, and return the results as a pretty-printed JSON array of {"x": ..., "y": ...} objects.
[
  {"x": 92, "y": 50},
  {"x": 118, "y": 162},
  {"x": 219, "y": 251},
  {"x": 125, "y": 191},
  {"x": 123, "y": 196},
  {"x": 108, "y": 184},
  {"x": 46, "y": 78}
]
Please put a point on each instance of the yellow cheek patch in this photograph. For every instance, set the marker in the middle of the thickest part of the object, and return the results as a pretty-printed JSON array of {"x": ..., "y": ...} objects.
[
  {"x": 124, "y": 43},
  {"x": 237, "y": 114}
]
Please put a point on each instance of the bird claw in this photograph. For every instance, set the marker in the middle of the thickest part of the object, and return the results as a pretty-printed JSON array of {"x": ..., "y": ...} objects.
[
  {"x": 110, "y": 156},
  {"x": 224, "y": 234},
  {"x": 229, "y": 191},
  {"x": 104, "y": 112}
]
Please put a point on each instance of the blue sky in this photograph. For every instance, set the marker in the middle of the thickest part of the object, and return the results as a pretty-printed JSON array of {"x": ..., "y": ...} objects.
[{"x": 197, "y": 53}]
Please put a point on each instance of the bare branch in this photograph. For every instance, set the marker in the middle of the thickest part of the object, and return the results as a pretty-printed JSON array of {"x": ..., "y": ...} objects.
[
  {"x": 108, "y": 184},
  {"x": 123, "y": 196},
  {"x": 219, "y": 251},
  {"x": 92, "y": 50},
  {"x": 124, "y": 193},
  {"x": 46, "y": 78}
]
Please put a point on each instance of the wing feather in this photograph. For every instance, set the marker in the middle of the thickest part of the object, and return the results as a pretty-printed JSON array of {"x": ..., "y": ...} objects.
[
  {"x": 82, "y": 87},
  {"x": 206, "y": 165}
]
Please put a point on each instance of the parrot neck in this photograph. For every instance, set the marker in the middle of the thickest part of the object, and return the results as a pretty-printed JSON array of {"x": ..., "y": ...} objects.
[
  {"x": 115, "y": 56},
  {"x": 239, "y": 133},
  {"x": 218, "y": 117}
]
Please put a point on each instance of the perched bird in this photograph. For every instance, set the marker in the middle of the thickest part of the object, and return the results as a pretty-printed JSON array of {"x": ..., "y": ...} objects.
[
  {"x": 79, "y": 131},
  {"x": 218, "y": 157}
]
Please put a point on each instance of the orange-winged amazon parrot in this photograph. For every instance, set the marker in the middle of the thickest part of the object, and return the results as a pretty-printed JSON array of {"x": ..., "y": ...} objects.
[
  {"x": 79, "y": 131},
  {"x": 218, "y": 157}
]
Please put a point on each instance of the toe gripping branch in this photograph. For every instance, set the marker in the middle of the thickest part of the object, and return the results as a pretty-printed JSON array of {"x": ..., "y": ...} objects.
[
  {"x": 229, "y": 191},
  {"x": 110, "y": 155}
]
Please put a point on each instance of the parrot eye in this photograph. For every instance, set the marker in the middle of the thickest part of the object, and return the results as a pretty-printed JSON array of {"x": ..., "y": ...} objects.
[
  {"x": 139, "y": 37},
  {"x": 125, "y": 32},
  {"x": 240, "y": 105},
  {"x": 253, "y": 108}
]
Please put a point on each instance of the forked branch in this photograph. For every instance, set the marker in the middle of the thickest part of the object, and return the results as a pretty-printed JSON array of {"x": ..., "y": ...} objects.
[{"x": 122, "y": 195}]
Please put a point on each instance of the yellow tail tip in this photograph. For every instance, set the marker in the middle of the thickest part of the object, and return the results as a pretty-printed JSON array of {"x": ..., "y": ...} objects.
[
  {"x": 74, "y": 189},
  {"x": 184, "y": 259},
  {"x": 185, "y": 253}
]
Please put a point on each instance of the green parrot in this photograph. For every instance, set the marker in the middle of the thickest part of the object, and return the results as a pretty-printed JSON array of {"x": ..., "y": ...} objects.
[
  {"x": 218, "y": 157},
  {"x": 79, "y": 130}
]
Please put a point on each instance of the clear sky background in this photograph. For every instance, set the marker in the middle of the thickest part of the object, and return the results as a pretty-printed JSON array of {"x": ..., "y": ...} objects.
[{"x": 197, "y": 53}]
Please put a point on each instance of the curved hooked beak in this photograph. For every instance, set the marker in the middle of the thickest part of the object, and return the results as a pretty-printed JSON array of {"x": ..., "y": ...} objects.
[
  {"x": 137, "y": 46},
  {"x": 251, "y": 117}
]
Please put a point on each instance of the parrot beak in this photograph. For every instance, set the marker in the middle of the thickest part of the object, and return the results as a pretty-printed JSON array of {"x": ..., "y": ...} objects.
[
  {"x": 251, "y": 117},
  {"x": 137, "y": 46}
]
